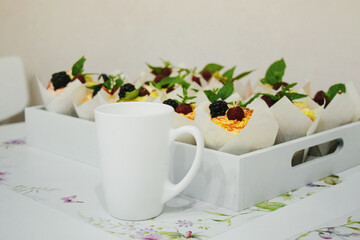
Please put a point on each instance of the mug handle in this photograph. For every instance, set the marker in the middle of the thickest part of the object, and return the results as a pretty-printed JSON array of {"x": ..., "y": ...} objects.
[{"x": 170, "y": 189}]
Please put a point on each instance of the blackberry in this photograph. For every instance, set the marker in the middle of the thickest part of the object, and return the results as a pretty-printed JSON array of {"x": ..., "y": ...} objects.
[
  {"x": 279, "y": 85},
  {"x": 269, "y": 101},
  {"x": 171, "y": 102},
  {"x": 218, "y": 108},
  {"x": 196, "y": 79},
  {"x": 166, "y": 71},
  {"x": 184, "y": 108},
  {"x": 143, "y": 92},
  {"x": 235, "y": 113},
  {"x": 206, "y": 75},
  {"x": 127, "y": 87},
  {"x": 104, "y": 77},
  {"x": 60, "y": 80},
  {"x": 97, "y": 88},
  {"x": 321, "y": 98}
]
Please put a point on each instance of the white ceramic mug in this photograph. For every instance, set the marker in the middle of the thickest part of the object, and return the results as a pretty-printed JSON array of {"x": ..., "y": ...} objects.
[{"x": 134, "y": 140}]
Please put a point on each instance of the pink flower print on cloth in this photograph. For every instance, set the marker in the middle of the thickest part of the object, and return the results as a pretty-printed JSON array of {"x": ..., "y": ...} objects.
[
  {"x": 184, "y": 223},
  {"x": 70, "y": 199},
  {"x": 15, "y": 142},
  {"x": 2, "y": 176}
]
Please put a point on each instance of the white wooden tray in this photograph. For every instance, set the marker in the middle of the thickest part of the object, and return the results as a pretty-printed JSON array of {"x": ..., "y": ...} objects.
[{"x": 234, "y": 182}]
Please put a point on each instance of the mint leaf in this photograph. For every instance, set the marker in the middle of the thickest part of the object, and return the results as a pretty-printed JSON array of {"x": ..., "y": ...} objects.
[
  {"x": 107, "y": 84},
  {"x": 156, "y": 70},
  {"x": 250, "y": 100},
  {"x": 118, "y": 82},
  {"x": 293, "y": 96},
  {"x": 212, "y": 67},
  {"x": 166, "y": 63},
  {"x": 241, "y": 75},
  {"x": 171, "y": 81},
  {"x": 273, "y": 97},
  {"x": 226, "y": 90},
  {"x": 275, "y": 73},
  {"x": 211, "y": 95},
  {"x": 78, "y": 67},
  {"x": 91, "y": 87},
  {"x": 227, "y": 76},
  {"x": 131, "y": 95},
  {"x": 335, "y": 89}
]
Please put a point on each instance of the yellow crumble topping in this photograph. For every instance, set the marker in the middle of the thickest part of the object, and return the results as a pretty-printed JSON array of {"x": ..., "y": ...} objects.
[{"x": 233, "y": 126}]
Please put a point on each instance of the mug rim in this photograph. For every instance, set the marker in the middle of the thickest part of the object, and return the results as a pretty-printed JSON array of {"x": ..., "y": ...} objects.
[{"x": 164, "y": 109}]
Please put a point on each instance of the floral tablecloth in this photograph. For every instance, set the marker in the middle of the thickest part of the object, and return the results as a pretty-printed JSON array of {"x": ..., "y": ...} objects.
[{"x": 74, "y": 189}]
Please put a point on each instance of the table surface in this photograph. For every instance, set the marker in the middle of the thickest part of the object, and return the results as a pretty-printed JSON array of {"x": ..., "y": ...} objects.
[{"x": 45, "y": 196}]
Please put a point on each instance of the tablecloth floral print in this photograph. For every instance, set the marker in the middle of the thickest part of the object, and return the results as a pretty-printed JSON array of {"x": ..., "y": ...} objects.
[{"x": 72, "y": 188}]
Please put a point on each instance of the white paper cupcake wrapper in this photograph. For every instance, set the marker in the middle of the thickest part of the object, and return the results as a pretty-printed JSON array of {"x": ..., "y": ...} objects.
[
  {"x": 61, "y": 103},
  {"x": 260, "y": 132},
  {"x": 86, "y": 110},
  {"x": 293, "y": 123}
]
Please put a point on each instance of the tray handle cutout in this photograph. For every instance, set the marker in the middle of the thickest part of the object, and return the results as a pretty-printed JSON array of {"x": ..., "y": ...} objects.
[{"x": 317, "y": 151}]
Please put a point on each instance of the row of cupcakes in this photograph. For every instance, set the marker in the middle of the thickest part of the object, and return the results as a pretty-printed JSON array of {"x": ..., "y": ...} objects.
[{"x": 233, "y": 115}]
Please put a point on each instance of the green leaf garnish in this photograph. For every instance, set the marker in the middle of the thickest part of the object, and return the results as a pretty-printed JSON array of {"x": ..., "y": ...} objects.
[
  {"x": 228, "y": 75},
  {"x": 224, "y": 92},
  {"x": 274, "y": 73},
  {"x": 285, "y": 91},
  {"x": 118, "y": 82},
  {"x": 156, "y": 70},
  {"x": 250, "y": 100},
  {"x": 212, "y": 67},
  {"x": 113, "y": 82},
  {"x": 211, "y": 95},
  {"x": 171, "y": 81},
  {"x": 78, "y": 67},
  {"x": 241, "y": 75},
  {"x": 131, "y": 95},
  {"x": 335, "y": 89},
  {"x": 166, "y": 63},
  {"x": 293, "y": 96},
  {"x": 107, "y": 84},
  {"x": 92, "y": 87},
  {"x": 185, "y": 98}
]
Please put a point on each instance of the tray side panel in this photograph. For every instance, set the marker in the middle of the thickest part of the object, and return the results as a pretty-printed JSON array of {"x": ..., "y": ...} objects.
[
  {"x": 269, "y": 173},
  {"x": 216, "y": 182},
  {"x": 63, "y": 135}
]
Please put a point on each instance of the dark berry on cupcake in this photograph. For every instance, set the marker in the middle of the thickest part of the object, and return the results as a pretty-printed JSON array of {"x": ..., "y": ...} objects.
[
  {"x": 127, "y": 87},
  {"x": 206, "y": 75},
  {"x": 276, "y": 86},
  {"x": 321, "y": 98},
  {"x": 171, "y": 102},
  {"x": 235, "y": 113},
  {"x": 184, "y": 108},
  {"x": 143, "y": 92},
  {"x": 60, "y": 80},
  {"x": 218, "y": 108},
  {"x": 196, "y": 79},
  {"x": 268, "y": 100}
]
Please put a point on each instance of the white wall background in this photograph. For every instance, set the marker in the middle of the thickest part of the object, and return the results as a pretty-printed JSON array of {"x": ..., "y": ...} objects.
[{"x": 319, "y": 39}]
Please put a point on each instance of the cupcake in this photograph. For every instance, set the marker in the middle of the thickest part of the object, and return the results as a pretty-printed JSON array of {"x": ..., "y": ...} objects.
[{"x": 57, "y": 94}]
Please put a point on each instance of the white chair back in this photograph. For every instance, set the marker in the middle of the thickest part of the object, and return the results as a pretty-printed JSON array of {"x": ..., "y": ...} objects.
[{"x": 13, "y": 87}]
